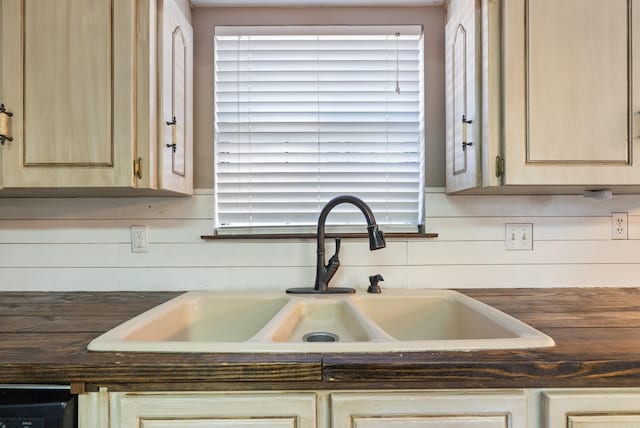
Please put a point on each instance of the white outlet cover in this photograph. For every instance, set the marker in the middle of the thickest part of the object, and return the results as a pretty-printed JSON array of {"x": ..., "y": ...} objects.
[
  {"x": 619, "y": 225},
  {"x": 139, "y": 239}
]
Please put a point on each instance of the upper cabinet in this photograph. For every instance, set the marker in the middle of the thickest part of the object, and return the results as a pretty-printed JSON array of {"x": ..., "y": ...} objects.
[
  {"x": 79, "y": 79},
  {"x": 176, "y": 83},
  {"x": 66, "y": 79},
  {"x": 463, "y": 157},
  {"x": 550, "y": 91}
]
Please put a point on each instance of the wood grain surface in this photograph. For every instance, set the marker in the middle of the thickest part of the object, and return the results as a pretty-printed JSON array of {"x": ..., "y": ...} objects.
[{"x": 43, "y": 339}]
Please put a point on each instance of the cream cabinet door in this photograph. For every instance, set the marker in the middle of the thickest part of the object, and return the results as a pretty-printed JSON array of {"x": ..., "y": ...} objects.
[
  {"x": 571, "y": 92},
  {"x": 591, "y": 409},
  {"x": 214, "y": 410},
  {"x": 473, "y": 99},
  {"x": 463, "y": 164},
  {"x": 432, "y": 422},
  {"x": 219, "y": 423},
  {"x": 603, "y": 421},
  {"x": 459, "y": 409},
  {"x": 67, "y": 78},
  {"x": 176, "y": 83}
]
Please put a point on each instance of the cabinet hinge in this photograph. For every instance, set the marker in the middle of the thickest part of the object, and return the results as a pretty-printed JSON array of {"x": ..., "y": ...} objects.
[
  {"x": 137, "y": 167},
  {"x": 499, "y": 166}
]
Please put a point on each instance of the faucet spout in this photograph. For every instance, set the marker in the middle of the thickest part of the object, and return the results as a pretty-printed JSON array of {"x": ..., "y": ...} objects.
[
  {"x": 376, "y": 238},
  {"x": 324, "y": 272}
]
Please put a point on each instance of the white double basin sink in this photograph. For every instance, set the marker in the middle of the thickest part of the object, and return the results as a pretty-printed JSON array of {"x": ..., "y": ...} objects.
[{"x": 257, "y": 321}]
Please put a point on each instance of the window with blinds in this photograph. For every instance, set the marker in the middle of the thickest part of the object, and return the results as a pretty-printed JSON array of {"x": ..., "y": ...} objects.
[{"x": 303, "y": 114}]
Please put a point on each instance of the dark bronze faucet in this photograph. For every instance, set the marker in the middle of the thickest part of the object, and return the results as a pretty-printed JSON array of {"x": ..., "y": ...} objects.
[{"x": 324, "y": 272}]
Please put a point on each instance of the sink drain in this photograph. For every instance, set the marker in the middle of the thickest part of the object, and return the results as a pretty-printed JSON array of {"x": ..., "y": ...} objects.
[{"x": 320, "y": 336}]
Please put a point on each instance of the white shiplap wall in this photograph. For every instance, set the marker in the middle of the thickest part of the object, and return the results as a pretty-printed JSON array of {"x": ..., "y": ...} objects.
[{"x": 84, "y": 244}]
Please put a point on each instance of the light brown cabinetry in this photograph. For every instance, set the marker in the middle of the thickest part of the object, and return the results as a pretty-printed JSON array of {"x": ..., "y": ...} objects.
[
  {"x": 66, "y": 78},
  {"x": 559, "y": 92},
  {"x": 72, "y": 76}
]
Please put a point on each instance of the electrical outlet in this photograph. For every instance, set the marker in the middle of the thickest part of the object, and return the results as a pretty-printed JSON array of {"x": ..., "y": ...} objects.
[
  {"x": 518, "y": 236},
  {"x": 619, "y": 223},
  {"x": 139, "y": 239}
]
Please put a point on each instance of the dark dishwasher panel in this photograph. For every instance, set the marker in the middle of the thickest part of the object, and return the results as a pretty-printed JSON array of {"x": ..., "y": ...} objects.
[{"x": 37, "y": 408}]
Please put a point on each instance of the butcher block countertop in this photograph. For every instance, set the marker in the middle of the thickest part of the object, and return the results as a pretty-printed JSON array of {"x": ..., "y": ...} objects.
[{"x": 43, "y": 339}]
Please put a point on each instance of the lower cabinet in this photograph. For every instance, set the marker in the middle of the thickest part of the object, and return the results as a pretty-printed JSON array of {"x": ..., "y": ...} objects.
[
  {"x": 365, "y": 409},
  {"x": 599, "y": 408},
  {"x": 523, "y": 408},
  {"x": 455, "y": 409},
  {"x": 214, "y": 410}
]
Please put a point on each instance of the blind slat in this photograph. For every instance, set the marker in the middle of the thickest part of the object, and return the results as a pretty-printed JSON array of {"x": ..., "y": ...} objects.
[{"x": 313, "y": 65}]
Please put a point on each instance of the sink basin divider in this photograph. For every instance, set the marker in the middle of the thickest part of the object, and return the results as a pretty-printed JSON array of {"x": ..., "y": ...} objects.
[
  {"x": 377, "y": 333},
  {"x": 266, "y": 333},
  {"x": 280, "y": 320}
]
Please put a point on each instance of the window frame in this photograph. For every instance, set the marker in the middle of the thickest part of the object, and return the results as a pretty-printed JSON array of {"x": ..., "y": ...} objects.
[{"x": 287, "y": 232}]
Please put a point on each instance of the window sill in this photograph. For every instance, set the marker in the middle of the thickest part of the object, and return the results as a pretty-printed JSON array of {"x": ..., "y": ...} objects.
[{"x": 304, "y": 236}]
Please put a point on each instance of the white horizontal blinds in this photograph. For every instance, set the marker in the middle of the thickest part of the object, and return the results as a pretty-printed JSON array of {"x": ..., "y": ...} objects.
[{"x": 301, "y": 118}]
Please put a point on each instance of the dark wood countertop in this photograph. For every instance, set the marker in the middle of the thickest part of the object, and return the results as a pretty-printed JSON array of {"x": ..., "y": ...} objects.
[{"x": 43, "y": 339}]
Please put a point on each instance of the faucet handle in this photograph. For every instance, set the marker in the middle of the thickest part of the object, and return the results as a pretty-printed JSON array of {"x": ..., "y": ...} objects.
[
  {"x": 373, "y": 284},
  {"x": 334, "y": 261}
]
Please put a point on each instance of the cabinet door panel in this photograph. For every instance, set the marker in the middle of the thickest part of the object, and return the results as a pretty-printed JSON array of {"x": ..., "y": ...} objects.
[
  {"x": 433, "y": 422},
  {"x": 471, "y": 409},
  {"x": 66, "y": 97},
  {"x": 219, "y": 423},
  {"x": 176, "y": 69},
  {"x": 591, "y": 408},
  {"x": 577, "y": 80},
  {"x": 66, "y": 76},
  {"x": 569, "y": 92},
  {"x": 215, "y": 410},
  {"x": 461, "y": 120},
  {"x": 178, "y": 98},
  {"x": 604, "y": 421}
]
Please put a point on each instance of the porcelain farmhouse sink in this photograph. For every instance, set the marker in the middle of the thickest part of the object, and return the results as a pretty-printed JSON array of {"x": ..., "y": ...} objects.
[{"x": 254, "y": 321}]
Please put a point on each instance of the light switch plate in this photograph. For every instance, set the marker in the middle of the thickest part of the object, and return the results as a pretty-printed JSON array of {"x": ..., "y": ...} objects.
[{"x": 518, "y": 236}]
